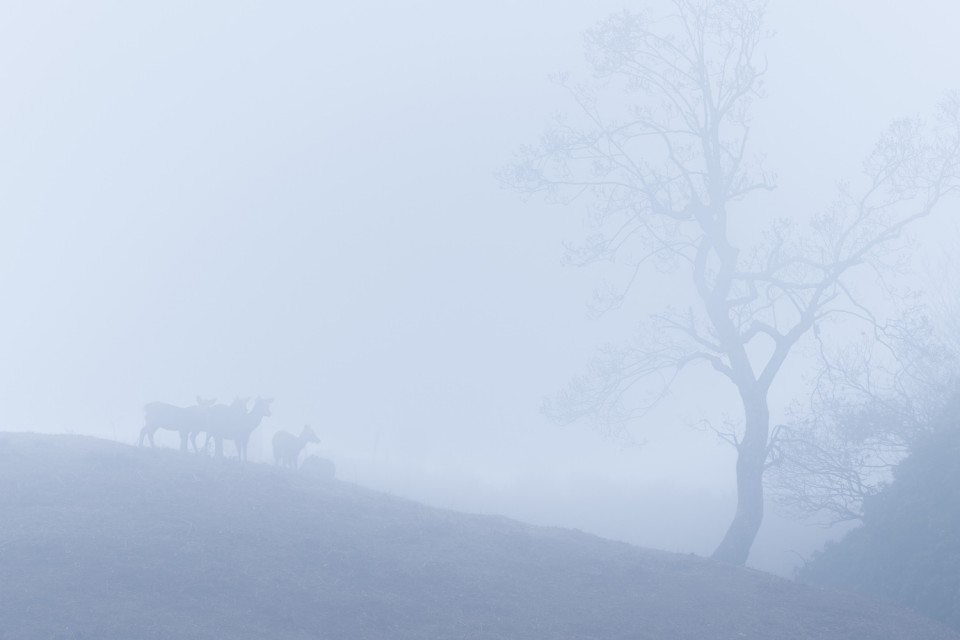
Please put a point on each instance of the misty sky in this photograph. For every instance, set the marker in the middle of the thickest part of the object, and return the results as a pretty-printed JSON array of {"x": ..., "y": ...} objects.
[{"x": 298, "y": 200}]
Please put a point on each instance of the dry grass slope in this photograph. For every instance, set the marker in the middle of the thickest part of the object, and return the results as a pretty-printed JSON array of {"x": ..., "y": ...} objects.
[{"x": 102, "y": 541}]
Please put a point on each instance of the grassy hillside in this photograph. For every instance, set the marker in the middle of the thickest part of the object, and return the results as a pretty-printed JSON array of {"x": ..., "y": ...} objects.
[{"x": 103, "y": 541}]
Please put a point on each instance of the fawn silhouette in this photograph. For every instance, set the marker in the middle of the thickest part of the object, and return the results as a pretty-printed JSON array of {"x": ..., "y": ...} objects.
[{"x": 287, "y": 447}]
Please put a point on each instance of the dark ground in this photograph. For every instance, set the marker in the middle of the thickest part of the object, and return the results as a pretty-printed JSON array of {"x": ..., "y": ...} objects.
[{"x": 103, "y": 541}]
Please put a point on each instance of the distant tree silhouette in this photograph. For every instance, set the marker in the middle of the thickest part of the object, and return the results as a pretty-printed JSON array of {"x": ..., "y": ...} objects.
[{"x": 661, "y": 148}]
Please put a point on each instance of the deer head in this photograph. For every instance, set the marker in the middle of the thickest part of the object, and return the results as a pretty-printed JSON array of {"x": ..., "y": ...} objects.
[{"x": 308, "y": 435}]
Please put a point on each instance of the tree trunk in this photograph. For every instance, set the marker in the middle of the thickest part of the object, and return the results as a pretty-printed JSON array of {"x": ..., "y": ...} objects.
[{"x": 751, "y": 461}]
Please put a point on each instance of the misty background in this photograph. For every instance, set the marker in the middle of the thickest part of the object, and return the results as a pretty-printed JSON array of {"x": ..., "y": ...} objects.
[{"x": 299, "y": 200}]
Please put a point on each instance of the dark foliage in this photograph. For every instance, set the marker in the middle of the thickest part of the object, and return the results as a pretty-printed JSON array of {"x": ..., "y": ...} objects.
[{"x": 908, "y": 548}]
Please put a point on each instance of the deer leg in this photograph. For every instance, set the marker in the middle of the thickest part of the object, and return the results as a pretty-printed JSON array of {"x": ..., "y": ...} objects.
[{"x": 149, "y": 433}]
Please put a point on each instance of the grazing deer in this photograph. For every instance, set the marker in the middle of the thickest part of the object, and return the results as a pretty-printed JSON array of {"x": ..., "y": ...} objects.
[
  {"x": 188, "y": 421},
  {"x": 287, "y": 447},
  {"x": 319, "y": 468},
  {"x": 235, "y": 423}
]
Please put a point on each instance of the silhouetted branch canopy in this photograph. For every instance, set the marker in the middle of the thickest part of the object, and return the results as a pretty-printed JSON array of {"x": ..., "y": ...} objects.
[{"x": 659, "y": 150}]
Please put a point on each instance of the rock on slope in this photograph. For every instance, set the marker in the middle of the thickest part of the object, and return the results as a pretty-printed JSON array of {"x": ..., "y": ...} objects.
[{"x": 103, "y": 541}]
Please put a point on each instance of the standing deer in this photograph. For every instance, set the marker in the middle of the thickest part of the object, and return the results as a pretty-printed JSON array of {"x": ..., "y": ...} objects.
[
  {"x": 242, "y": 430},
  {"x": 287, "y": 447},
  {"x": 188, "y": 421},
  {"x": 235, "y": 423},
  {"x": 218, "y": 425}
]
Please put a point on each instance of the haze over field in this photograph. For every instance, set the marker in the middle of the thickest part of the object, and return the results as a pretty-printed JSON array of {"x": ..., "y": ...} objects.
[{"x": 299, "y": 200}]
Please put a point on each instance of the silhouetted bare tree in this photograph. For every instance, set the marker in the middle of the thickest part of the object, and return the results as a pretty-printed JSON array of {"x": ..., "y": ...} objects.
[{"x": 664, "y": 157}]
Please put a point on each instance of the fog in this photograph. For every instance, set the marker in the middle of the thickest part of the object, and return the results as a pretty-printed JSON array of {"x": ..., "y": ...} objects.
[{"x": 299, "y": 201}]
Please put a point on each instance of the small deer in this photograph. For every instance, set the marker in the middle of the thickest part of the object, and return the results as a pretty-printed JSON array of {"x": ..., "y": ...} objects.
[{"x": 287, "y": 447}]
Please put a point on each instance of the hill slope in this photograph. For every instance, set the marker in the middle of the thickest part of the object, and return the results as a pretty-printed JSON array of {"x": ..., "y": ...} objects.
[{"x": 103, "y": 541}]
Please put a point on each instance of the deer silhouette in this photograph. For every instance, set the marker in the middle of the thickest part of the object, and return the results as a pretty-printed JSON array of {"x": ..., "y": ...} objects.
[
  {"x": 320, "y": 469},
  {"x": 188, "y": 421},
  {"x": 218, "y": 424},
  {"x": 235, "y": 423},
  {"x": 287, "y": 447}
]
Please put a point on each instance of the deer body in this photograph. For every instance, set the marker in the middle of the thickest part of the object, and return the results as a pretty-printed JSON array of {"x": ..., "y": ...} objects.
[
  {"x": 287, "y": 447},
  {"x": 188, "y": 421},
  {"x": 235, "y": 423}
]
